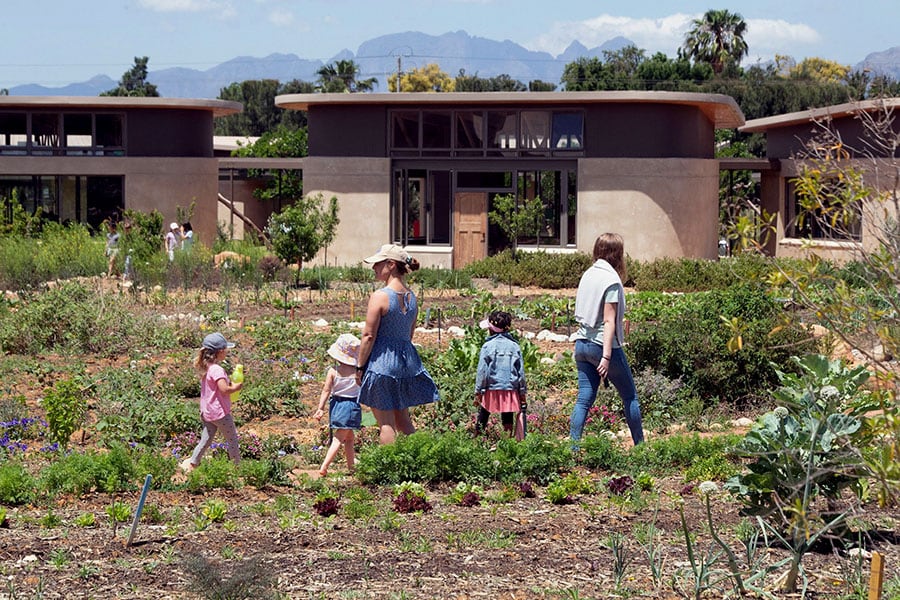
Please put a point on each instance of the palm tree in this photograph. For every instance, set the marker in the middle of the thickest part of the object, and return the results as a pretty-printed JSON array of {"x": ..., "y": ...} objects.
[
  {"x": 341, "y": 76},
  {"x": 717, "y": 38}
]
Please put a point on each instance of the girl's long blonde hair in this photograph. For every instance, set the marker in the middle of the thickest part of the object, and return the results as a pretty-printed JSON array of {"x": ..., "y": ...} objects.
[
  {"x": 611, "y": 248},
  {"x": 205, "y": 357}
]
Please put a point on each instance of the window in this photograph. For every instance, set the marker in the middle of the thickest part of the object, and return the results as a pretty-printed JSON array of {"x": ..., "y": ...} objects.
[
  {"x": 110, "y": 134},
  {"x": 420, "y": 207},
  {"x": 469, "y": 133},
  {"x": 501, "y": 131},
  {"x": 496, "y": 133},
  {"x": 567, "y": 131},
  {"x": 66, "y": 133},
  {"x": 821, "y": 220},
  {"x": 436, "y": 131},
  {"x": 78, "y": 130},
  {"x": 405, "y": 130},
  {"x": 44, "y": 132},
  {"x": 13, "y": 133},
  {"x": 535, "y": 134}
]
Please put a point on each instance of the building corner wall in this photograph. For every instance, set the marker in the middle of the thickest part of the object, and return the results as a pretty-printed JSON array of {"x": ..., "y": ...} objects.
[
  {"x": 363, "y": 189},
  {"x": 661, "y": 207}
]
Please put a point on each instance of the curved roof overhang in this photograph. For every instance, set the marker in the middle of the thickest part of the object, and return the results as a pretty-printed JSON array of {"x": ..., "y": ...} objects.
[
  {"x": 720, "y": 109},
  {"x": 218, "y": 108},
  {"x": 818, "y": 114}
]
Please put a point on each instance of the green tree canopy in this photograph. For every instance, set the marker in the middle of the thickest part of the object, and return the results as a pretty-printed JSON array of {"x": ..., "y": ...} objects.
[
  {"x": 134, "y": 81},
  {"x": 284, "y": 185},
  {"x": 260, "y": 113},
  {"x": 474, "y": 83}
]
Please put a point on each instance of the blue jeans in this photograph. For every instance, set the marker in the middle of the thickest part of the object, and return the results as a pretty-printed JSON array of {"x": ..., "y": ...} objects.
[{"x": 587, "y": 357}]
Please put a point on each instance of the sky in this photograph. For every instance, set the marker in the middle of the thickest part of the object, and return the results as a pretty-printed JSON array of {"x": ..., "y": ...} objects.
[{"x": 56, "y": 42}]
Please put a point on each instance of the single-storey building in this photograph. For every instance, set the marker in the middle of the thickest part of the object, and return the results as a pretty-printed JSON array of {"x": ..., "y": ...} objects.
[
  {"x": 844, "y": 133},
  {"x": 424, "y": 170},
  {"x": 86, "y": 159}
]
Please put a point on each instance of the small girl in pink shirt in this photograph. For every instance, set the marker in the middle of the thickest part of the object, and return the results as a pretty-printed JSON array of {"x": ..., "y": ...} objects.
[{"x": 215, "y": 400}]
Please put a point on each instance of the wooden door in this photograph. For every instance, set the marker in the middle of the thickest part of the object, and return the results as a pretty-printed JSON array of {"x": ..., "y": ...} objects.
[{"x": 470, "y": 228}]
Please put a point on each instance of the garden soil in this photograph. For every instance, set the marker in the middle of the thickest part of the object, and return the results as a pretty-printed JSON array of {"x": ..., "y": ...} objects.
[{"x": 272, "y": 543}]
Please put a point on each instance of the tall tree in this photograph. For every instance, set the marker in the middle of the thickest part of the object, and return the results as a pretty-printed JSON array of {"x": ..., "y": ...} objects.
[
  {"x": 343, "y": 76},
  {"x": 717, "y": 38},
  {"x": 134, "y": 81},
  {"x": 260, "y": 113}
]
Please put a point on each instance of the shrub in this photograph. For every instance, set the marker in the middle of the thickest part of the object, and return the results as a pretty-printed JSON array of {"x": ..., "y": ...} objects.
[
  {"x": 16, "y": 484},
  {"x": 212, "y": 473},
  {"x": 679, "y": 452},
  {"x": 257, "y": 473},
  {"x": 542, "y": 269},
  {"x": 697, "y": 274},
  {"x": 602, "y": 452},
  {"x": 159, "y": 466},
  {"x": 426, "y": 456},
  {"x": 66, "y": 408},
  {"x": 134, "y": 406},
  {"x": 693, "y": 345},
  {"x": 70, "y": 318},
  {"x": 537, "y": 458}
]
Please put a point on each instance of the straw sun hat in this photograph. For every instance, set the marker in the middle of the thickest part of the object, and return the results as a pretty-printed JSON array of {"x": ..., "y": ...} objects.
[{"x": 345, "y": 349}]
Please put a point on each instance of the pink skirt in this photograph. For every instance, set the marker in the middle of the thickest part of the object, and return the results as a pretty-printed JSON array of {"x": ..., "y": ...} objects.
[{"x": 497, "y": 401}]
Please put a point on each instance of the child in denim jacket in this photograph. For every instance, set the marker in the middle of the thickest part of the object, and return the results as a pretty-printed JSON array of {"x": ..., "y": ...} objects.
[{"x": 500, "y": 381}]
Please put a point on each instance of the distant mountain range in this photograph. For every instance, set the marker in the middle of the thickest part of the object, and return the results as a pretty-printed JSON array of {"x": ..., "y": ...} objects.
[{"x": 378, "y": 58}]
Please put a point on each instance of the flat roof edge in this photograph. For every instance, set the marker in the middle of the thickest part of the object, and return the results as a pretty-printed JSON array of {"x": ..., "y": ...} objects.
[
  {"x": 219, "y": 108},
  {"x": 722, "y": 110}
]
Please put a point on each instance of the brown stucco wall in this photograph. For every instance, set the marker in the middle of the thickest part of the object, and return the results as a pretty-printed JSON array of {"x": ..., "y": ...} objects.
[
  {"x": 662, "y": 207},
  {"x": 362, "y": 187},
  {"x": 166, "y": 183}
]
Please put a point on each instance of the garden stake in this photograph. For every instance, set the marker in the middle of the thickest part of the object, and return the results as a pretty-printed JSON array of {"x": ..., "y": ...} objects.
[
  {"x": 427, "y": 317},
  {"x": 439, "y": 327},
  {"x": 352, "y": 312},
  {"x": 140, "y": 507},
  {"x": 876, "y": 579}
]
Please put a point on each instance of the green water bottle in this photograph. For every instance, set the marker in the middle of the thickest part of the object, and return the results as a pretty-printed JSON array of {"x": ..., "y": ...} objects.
[{"x": 237, "y": 377}]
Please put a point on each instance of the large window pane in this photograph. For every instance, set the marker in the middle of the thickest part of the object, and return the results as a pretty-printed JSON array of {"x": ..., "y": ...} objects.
[
  {"x": 44, "y": 132},
  {"x": 436, "y": 130},
  {"x": 109, "y": 133},
  {"x": 441, "y": 216},
  {"x": 550, "y": 191},
  {"x": 405, "y": 130},
  {"x": 469, "y": 130},
  {"x": 78, "y": 133},
  {"x": 535, "y": 133},
  {"x": 567, "y": 131},
  {"x": 501, "y": 129},
  {"x": 13, "y": 133}
]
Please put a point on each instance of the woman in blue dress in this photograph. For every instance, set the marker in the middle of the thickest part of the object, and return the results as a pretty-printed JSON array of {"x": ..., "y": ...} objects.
[{"x": 390, "y": 371}]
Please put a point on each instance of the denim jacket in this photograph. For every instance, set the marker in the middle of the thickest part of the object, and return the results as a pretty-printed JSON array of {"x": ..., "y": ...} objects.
[{"x": 500, "y": 365}]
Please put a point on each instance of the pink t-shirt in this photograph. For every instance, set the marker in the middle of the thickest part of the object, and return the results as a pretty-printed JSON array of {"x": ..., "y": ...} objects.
[{"x": 214, "y": 405}]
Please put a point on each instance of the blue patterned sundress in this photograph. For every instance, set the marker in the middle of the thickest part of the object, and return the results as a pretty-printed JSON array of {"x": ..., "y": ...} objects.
[{"x": 395, "y": 377}]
